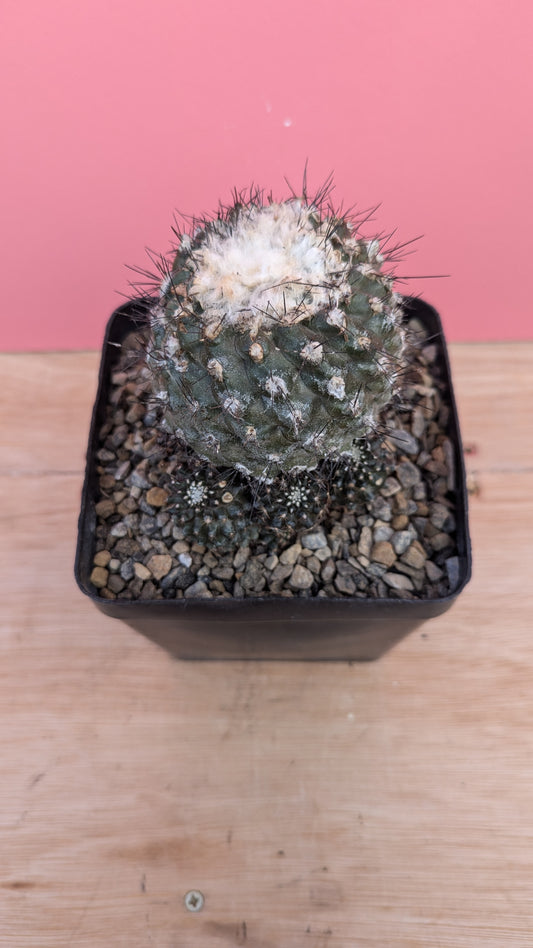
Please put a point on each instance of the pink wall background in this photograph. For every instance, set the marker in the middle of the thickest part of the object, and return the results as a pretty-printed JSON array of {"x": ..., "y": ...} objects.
[{"x": 116, "y": 112}]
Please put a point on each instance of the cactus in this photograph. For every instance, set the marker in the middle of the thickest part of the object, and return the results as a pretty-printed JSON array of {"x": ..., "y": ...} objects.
[{"x": 277, "y": 338}]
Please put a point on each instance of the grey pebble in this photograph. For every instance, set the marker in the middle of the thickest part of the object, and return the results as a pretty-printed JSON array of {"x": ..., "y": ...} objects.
[
  {"x": 271, "y": 561},
  {"x": 328, "y": 570},
  {"x": 408, "y": 474},
  {"x": 115, "y": 583},
  {"x": 382, "y": 533},
  {"x": 301, "y": 578},
  {"x": 390, "y": 487},
  {"x": 198, "y": 590},
  {"x": 402, "y": 540},
  {"x": 314, "y": 541},
  {"x": 381, "y": 508},
  {"x": 253, "y": 577},
  {"x": 398, "y": 581},
  {"x": 345, "y": 584},
  {"x": 452, "y": 569},
  {"x": 127, "y": 570},
  {"x": 241, "y": 557},
  {"x": 404, "y": 441}
]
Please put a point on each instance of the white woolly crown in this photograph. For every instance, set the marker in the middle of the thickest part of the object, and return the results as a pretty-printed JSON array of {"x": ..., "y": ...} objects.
[{"x": 275, "y": 264}]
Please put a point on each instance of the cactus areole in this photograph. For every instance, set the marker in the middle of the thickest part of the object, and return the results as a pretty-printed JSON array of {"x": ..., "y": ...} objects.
[{"x": 277, "y": 338}]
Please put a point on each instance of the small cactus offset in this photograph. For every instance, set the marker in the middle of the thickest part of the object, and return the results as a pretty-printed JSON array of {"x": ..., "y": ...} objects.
[{"x": 277, "y": 338}]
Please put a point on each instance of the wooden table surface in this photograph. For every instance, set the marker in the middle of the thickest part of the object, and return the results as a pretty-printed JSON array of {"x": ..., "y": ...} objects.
[{"x": 383, "y": 805}]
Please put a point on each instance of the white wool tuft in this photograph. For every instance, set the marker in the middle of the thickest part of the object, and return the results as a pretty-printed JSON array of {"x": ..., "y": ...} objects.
[
  {"x": 275, "y": 264},
  {"x": 336, "y": 387}
]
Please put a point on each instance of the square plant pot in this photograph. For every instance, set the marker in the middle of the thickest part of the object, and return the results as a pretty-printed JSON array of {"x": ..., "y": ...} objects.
[{"x": 274, "y": 627}]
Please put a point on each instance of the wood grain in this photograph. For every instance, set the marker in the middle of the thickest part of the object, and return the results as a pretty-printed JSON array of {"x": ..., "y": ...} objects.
[{"x": 385, "y": 805}]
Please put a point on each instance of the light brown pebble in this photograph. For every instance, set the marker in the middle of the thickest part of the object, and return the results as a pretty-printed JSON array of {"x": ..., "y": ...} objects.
[
  {"x": 365, "y": 541},
  {"x": 400, "y": 522},
  {"x": 159, "y": 565},
  {"x": 99, "y": 577},
  {"x": 104, "y": 508},
  {"x": 141, "y": 571},
  {"x": 440, "y": 541},
  {"x": 102, "y": 558},
  {"x": 433, "y": 572},
  {"x": 107, "y": 594},
  {"x": 180, "y": 546},
  {"x": 291, "y": 554},
  {"x": 216, "y": 585},
  {"x": 157, "y": 497},
  {"x": 148, "y": 591},
  {"x": 383, "y": 552},
  {"x": 415, "y": 556}
]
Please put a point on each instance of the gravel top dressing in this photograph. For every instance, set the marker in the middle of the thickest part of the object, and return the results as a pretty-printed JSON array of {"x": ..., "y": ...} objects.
[{"x": 399, "y": 543}]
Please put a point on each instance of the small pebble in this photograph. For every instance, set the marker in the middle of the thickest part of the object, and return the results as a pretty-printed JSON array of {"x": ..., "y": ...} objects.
[
  {"x": 433, "y": 572},
  {"x": 323, "y": 553},
  {"x": 159, "y": 565},
  {"x": 116, "y": 584},
  {"x": 382, "y": 532},
  {"x": 271, "y": 561},
  {"x": 126, "y": 570},
  {"x": 408, "y": 474},
  {"x": 402, "y": 540},
  {"x": 398, "y": 581},
  {"x": 440, "y": 541},
  {"x": 328, "y": 570},
  {"x": 365, "y": 541},
  {"x": 105, "y": 508},
  {"x": 452, "y": 569},
  {"x": 404, "y": 441},
  {"x": 290, "y": 555},
  {"x": 141, "y": 571},
  {"x": 301, "y": 578},
  {"x": 102, "y": 558},
  {"x": 157, "y": 497},
  {"x": 198, "y": 590},
  {"x": 241, "y": 557},
  {"x": 415, "y": 555},
  {"x": 315, "y": 540},
  {"x": 99, "y": 577},
  {"x": 345, "y": 584},
  {"x": 383, "y": 552}
]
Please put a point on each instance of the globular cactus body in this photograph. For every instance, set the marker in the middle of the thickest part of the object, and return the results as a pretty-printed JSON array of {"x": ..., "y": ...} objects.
[{"x": 277, "y": 339}]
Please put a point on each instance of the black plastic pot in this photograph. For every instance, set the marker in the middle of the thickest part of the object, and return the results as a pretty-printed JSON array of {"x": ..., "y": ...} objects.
[{"x": 274, "y": 628}]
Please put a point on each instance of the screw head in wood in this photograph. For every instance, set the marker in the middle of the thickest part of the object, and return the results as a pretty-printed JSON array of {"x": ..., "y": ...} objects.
[{"x": 194, "y": 901}]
